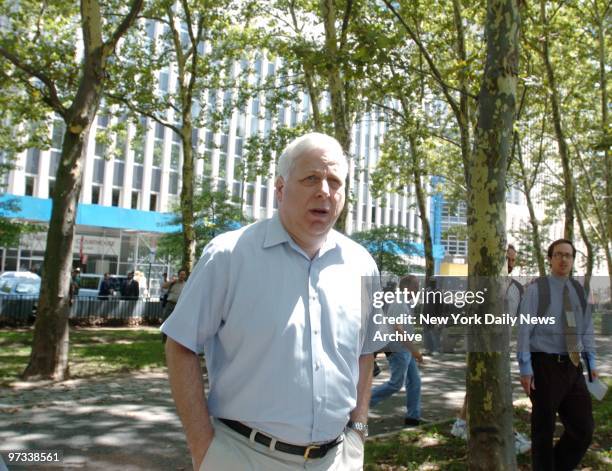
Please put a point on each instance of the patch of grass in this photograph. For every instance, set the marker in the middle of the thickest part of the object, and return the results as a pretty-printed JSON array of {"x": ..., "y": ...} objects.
[
  {"x": 434, "y": 448},
  {"x": 93, "y": 351}
]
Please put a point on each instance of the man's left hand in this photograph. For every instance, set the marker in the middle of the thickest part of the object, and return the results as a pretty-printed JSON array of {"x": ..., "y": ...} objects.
[
  {"x": 594, "y": 374},
  {"x": 418, "y": 357}
]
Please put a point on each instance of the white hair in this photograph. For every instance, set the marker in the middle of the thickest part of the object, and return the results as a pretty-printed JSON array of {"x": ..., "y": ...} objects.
[{"x": 307, "y": 143}]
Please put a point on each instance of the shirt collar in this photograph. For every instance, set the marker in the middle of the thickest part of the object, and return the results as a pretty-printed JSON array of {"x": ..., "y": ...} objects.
[{"x": 276, "y": 234}]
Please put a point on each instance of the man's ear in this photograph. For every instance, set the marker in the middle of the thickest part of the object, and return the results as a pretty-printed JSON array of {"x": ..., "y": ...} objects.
[{"x": 279, "y": 186}]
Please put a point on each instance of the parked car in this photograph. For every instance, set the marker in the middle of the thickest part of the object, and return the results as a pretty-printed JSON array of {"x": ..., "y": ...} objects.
[
  {"x": 90, "y": 284},
  {"x": 19, "y": 274},
  {"x": 19, "y": 293},
  {"x": 19, "y": 283}
]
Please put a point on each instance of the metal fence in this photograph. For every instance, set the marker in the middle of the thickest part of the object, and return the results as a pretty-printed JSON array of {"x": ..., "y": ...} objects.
[{"x": 19, "y": 310}]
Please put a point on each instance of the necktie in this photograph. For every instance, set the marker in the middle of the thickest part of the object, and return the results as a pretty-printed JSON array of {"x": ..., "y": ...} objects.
[{"x": 569, "y": 328}]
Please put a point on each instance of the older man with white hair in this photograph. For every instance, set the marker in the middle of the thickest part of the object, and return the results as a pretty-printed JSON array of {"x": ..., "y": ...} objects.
[{"x": 277, "y": 309}]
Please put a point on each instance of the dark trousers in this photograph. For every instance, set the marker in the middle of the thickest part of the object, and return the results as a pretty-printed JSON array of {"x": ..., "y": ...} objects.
[{"x": 559, "y": 388}]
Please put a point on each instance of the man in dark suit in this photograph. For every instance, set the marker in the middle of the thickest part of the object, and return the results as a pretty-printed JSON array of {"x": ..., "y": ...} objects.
[{"x": 131, "y": 289}]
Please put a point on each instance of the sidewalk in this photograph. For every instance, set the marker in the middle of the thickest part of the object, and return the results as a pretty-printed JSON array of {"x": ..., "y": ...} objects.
[
  {"x": 128, "y": 422},
  {"x": 443, "y": 388}
]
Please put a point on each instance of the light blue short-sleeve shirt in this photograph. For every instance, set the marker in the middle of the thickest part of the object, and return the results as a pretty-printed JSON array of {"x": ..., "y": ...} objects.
[{"x": 282, "y": 334}]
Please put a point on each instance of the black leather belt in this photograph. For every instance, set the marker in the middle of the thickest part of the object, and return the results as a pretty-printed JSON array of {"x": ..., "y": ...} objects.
[
  {"x": 310, "y": 451},
  {"x": 558, "y": 357}
]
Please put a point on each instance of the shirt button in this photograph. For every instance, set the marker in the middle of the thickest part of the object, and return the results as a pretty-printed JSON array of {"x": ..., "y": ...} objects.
[{"x": 316, "y": 332}]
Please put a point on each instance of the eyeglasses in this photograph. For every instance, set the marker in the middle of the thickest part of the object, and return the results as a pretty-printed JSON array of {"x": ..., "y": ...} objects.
[{"x": 560, "y": 256}]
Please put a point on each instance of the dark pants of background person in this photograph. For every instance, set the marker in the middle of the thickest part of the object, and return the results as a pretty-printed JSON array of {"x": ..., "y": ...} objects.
[{"x": 559, "y": 387}]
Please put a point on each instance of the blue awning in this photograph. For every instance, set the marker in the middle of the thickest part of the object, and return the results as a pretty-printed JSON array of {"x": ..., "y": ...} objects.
[
  {"x": 407, "y": 248},
  {"x": 110, "y": 217}
]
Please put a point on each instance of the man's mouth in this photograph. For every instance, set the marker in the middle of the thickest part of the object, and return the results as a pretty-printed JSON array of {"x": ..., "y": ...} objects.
[{"x": 320, "y": 211}]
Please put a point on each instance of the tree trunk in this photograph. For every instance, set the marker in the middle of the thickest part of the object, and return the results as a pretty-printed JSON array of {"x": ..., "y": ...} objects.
[
  {"x": 339, "y": 105},
  {"x": 489, "y": 387},
  {"x": 603, "y": 86},
  {"x": 590, "y": 255},
  {"x": 49, "y": 356},
  {"x": 463, "y": 115},
  {"x": 421, "y": 203},
  {"x": 568, "y": 187},
  {"x": 314, "y": 97},
  {"x": 187, "y": 218},
  {"x": 533, "y": 220}
]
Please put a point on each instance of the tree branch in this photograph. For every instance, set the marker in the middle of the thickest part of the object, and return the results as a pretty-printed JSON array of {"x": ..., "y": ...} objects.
[
  {"x": 144, "y": 112},
  {"x": 345, "y": 23},
  {"x": 434, "y": 69},
  {"x": 54, "y": 101},
  {"x": 127, "y": 21}
]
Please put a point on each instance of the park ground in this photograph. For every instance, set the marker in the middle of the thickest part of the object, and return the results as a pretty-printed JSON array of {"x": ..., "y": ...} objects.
[{"x": 117, "y": 413}]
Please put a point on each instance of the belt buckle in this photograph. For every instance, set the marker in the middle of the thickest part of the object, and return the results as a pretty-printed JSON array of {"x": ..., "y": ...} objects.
[{"x": 308, "y": 449}]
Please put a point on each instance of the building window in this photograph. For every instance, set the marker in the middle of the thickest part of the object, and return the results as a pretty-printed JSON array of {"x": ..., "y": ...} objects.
[
  {"x": 163, "y": 81},
  {"x": 222, "y": 165},
  {"x": 98, "y": 170},
  {"x": 134, "y": 203},
  {"x": 29, "y": 186},
  {"x": 120, "y": 148},
  {"x": 155, "y": 179},
  {"x": 173, "y": 184},
  {"x": 118, "y": 174},
  {"x": 153, "y": 202},
  {"x": 263, "y": 197},
  {"x": 51, "y": 187},
  {"x": 58, "y": 134},
  {"x": 103, "y": 120},
  {"x": 137, "y": 177},
  {"x": 159, "y": 131},
  {"x": 95, "y": 194},
  {"x": 116, "y": 196},
  {"x": 32, "y": 160},
  {"x": 175, "y": 156},
  {"x": 158, "y": 152},
  {"x": 54, "y": 161},
  {"x": 250, "y": 192},
  {"x": 100, "y": 149}
]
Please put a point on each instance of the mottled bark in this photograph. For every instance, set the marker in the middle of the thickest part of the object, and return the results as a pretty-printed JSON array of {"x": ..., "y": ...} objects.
[
  {"x": 187, "y": 219},
  {"x": 49, "y": 356},
  {"x": 489, "y": 388},
  {"x": 568, "y": 182}
]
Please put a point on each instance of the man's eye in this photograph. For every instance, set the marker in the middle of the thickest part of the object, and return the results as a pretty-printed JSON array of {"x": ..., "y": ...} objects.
[
  {"x": 312, "y": 179},
  {"x": 334, "y": 184}
]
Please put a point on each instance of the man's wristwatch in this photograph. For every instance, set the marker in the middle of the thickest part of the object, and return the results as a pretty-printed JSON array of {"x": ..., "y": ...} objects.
[{"x": 359, "y": 427}]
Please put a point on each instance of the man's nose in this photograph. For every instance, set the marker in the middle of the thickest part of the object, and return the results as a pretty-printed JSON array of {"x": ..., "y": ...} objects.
[{"x": 324, "y": 188}]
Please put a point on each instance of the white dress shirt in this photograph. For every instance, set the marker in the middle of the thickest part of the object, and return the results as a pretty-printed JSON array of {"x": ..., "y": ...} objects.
[{"x": 282, "y": 334}]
